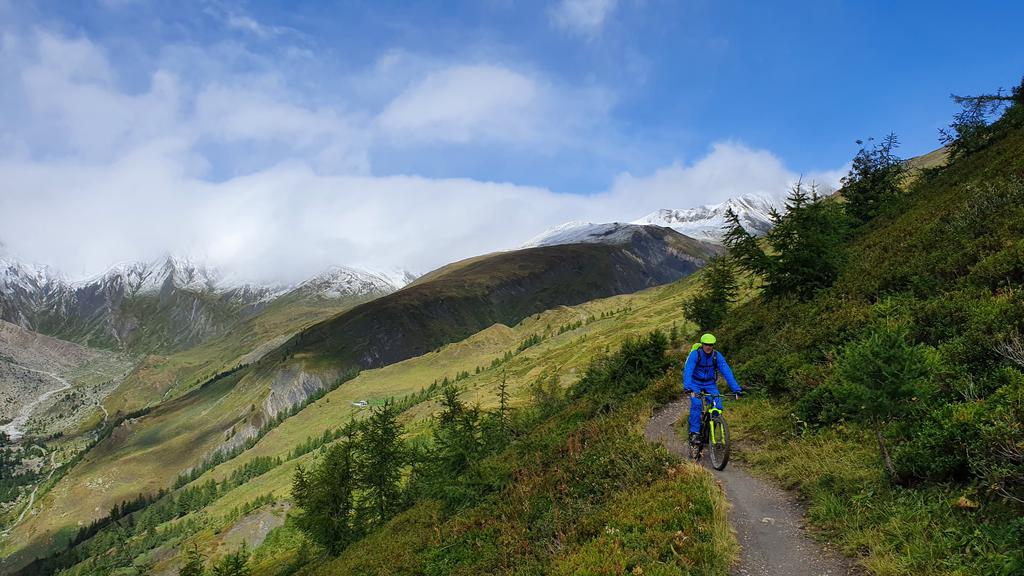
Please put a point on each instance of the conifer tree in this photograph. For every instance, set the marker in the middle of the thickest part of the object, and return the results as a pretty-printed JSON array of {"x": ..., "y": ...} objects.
[
  {"x": 325, "y": 495},
  {"x": 806, "y": 241},
  {"x": 979, "y": 119},
  {"x": 236, "y": 564},
  {"x": 382, "y": 454},
  {"x": 874, "y": 180},
  {"x": 193, "y": 565},
  {"x": 503, "y": 416},
  {"x": 718, "y": 289}
]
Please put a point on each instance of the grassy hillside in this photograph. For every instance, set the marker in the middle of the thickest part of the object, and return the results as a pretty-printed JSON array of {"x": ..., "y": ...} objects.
[
  {"x": 159, "y": 377},
  {"x": 195, "y": 425},
  {"x": 469, "y": 296},
  {"x": 582, "y": 494},
  {"x": 569, "y": 338},
  {"x": 609, "y": 489},
  {"x": 932, "y": 292}
]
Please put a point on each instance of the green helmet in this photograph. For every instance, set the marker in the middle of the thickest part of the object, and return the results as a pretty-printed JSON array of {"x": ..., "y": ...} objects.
[{"x": 708, "y": 339}]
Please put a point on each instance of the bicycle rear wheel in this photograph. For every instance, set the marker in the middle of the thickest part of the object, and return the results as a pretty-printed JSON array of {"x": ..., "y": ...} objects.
[{"x": 718, "y": 442}]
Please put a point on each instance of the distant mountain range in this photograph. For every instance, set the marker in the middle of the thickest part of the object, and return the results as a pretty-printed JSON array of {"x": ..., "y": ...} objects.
[
  {"x": 168, "y": 304},
  {"x": 704, "y": 223},
  {"x": 174, "y": 303}
]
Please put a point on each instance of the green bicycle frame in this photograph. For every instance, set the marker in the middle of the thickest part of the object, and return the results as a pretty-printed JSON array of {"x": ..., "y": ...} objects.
[{"x": 711, "y": 421}]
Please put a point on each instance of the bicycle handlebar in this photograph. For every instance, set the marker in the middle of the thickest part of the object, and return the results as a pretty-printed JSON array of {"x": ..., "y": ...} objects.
[{"x": 708, "y": 395}]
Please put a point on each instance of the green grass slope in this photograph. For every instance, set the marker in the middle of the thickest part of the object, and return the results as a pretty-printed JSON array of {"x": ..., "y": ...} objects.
[
  {"x": 469, "y": 296},
  {"x": 570, "y": 337},
  {"x": 157, "y": 447},
  {"x": 161, "y": 376},
  {"x": 583, "y": 494},
  {"x": 933, "y": 286}
]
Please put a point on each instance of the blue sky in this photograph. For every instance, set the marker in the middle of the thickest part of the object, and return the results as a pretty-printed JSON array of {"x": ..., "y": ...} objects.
[{"x": 168, "y": 112}]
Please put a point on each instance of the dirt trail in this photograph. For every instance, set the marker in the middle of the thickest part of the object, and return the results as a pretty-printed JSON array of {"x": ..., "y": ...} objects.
[{"x": 768, "y": 523}]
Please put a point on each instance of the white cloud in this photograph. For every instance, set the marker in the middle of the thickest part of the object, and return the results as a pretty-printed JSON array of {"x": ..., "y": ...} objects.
[
  {"x": 584, "y": 17},
  {"x": 728, "y": 170},
  {"x": 133, "y": 180},
  {"x": 489, "y": 102},
  {"x": 249, "y": 24},
  {"x": 465, "y": 102},
  {"x": 287, "y": 222}
]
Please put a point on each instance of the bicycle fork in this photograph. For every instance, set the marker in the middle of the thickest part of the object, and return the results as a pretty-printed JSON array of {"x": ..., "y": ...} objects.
[{"x": 711, "y": 423}]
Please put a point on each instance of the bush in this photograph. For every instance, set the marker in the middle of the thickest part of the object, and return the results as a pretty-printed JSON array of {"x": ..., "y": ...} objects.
[
  {"x": 833, "y": 402},
  {"x": 609, "y": 379},
  {"x": 938, "y": 447},
  {"x": 1000, "y": 463},
  {"x": 893, "y": 372},
  {"x": 769, "y": 372},
  {"x": 1001, "y": 270}
]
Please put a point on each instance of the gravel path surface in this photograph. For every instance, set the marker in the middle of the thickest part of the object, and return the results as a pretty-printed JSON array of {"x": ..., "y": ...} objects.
[{"x": 767, "y": 520}]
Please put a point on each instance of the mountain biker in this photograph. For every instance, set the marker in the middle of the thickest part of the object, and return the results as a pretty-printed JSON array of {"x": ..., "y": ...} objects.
[{"x": 701, "y": 374}]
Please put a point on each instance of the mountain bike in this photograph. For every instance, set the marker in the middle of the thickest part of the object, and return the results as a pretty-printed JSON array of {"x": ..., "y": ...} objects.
[{"x": 714, "y": 432}]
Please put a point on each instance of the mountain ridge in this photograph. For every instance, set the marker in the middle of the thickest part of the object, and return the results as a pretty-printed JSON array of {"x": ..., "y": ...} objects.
[
  {"x": 169, "y": 303},
  {"x": 702, "y": 223}
]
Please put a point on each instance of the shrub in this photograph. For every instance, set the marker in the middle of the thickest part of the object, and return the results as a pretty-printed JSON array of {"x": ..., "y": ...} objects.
[
  {"x": 939, "y": 445},
  {"x": 609, "y": 379},
  {"x": 1000, "y": 462},
  {"x": 877, "y": 379},
  {"x": 770, "y": 372}
]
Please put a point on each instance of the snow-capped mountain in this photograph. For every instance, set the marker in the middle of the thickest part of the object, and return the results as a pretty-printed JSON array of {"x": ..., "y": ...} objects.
[
  {"x": 168, "y": 272},
  {"x": 172, "y": 302},
  {"x": 24, "y": 288},
  {"x": 341, "y": 281},
  {"x": 579, "y": 232},
  {"x": 705, "y": 223},
  {"x": 708, "y": 222}
]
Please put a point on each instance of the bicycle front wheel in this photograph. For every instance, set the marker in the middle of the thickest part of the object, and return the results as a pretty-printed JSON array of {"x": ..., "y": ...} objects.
[{"x": 718, "y": 442}]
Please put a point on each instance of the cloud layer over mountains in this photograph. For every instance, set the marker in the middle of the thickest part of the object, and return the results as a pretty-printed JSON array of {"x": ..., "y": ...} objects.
[{"x": 214, "y": 151}]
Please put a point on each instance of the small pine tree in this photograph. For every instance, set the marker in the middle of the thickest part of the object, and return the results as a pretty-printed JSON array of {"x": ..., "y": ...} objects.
[
  {"x": 236, "y": 564},
  {"x": 193, "y": 565},
  {"x": 874, "y": 180},
  {"x": 978, "y": 120},
  {"x": 718, "y": 289},
  {"x": 503, "y": 415},
  {"x": 382, "y": 454},
  {"x": 807, "y": 245}
]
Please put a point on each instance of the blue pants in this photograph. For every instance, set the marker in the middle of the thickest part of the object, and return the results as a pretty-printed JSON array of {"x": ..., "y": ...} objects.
[{"x": 711, "y": 388}]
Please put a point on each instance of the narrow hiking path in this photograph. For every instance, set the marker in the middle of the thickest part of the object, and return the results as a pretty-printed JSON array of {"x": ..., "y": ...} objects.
[{"x": 768, "y": 522}]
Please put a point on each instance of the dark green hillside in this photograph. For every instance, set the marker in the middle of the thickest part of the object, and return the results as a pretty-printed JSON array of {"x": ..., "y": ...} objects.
[
  {"x": 467, "y": 297},
  {"x": 914, "y": 351}
]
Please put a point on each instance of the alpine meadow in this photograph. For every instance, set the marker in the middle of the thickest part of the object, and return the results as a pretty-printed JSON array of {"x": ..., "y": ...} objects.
[{"x": 511, "y": 289}]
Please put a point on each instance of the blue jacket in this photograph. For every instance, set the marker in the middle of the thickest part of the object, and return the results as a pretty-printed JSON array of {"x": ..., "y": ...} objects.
[{"x": 701, "y": 370}]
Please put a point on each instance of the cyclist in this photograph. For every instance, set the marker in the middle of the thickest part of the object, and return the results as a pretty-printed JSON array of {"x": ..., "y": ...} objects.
[{"x": 701, "y": 374}]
